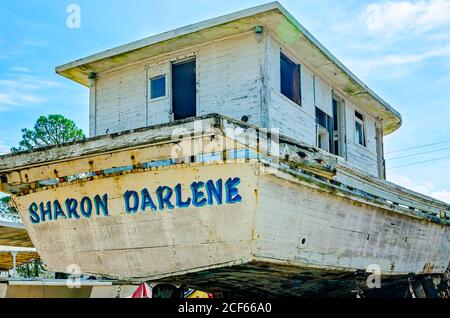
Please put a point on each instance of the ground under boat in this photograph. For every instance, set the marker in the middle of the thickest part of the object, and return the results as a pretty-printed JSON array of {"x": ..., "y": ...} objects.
[{"x": 300, "y": 221}]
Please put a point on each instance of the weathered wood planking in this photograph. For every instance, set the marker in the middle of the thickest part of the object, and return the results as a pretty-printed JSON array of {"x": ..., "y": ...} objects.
[
  {"x": 292, "y": 194},
  {"x": 149, "y": 243},
  {"x": 316, "y": 228},
  {"x": 118, "y": 141},
  {"x": 281, "y": 220},
  {"x": 352, "y": 177},
  {"x": 174, "y": 150}
]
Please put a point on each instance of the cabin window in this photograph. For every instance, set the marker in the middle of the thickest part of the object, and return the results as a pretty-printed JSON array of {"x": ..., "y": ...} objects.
[
  {"x": 290, "y": 79},
  {"x": 158, "y": 87},
  {"x": 325, "y": 130},
  {"x": 339, "y": 127},
  {"x": 360, "y": 137}
]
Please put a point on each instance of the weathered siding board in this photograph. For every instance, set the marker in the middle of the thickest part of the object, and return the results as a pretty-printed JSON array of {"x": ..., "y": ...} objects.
[
  {"x": 362, "y": 157},
  {"x": 323, "y": 96},
  {"x": 292, "y": 120},
  {"x": 301, "y": 225},
  {"x": 230, "y": 78},
  {"x": 120, "y": 98},
  {"x": 159, "y": 109}
]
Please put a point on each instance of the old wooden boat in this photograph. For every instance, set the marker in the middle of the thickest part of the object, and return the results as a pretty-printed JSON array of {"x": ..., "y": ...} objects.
[
  {"x": 283, "y": 193},
  {"x": 125, "y": 206}
]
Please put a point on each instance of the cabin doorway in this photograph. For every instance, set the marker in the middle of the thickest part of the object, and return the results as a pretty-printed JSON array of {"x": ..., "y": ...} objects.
[
  {"x": 184, "y": 90},
  {"x": 339, "y": 127}
]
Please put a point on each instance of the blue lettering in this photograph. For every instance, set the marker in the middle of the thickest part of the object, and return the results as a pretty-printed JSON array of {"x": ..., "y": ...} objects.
[
  {"x": 147, "y": 201},
  {"x": 127, "y": 196},
  {"x": 71, "y": 207},
  {"x": 46, "y": 211},
  {"x": 214, "y": 191},
  {"x": 198, "y": 196},
  {"x": 86, "y": 207},
  {"x": 232, "y": 192},
  {"x": 58, "y": 211},
  {"x": 101, "y": 203},
  {"x": 209, "y": 193},
  {"x": 34, "y": 216},
  {"x": 179, "y": 198},
  {"x": 164, "y": 198}
]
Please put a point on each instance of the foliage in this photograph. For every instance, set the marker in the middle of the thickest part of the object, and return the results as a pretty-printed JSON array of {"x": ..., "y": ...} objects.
[
  {"x": 48, "y": 131},
  {"x": 7, "y": 212},
  {"x": 33, "y": 269}
]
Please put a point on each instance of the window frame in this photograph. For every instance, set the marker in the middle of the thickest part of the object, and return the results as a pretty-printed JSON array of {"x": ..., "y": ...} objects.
[
  {"x": 297, "y": 68},
  {"x": 341, "y": 119},
  {"x": 363, "y": 128},
  {"x": 150, "y": 80},
  {"x": 323, "y": 132}
]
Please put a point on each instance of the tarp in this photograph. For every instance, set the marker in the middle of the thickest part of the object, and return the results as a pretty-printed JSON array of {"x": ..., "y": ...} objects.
[{"x": 143, "y": 291}]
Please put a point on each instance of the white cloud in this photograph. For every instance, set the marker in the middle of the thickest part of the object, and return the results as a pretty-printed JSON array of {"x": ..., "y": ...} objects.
[
  {"x": 18, "y": 99},
  {"x": 427, "y": 188},
  {"x": 29, "y": 82},
  {"x": 392, "y": 17},
  {"x": 7, "y": 99},
  {"x": 23, "y": 90},
  {"x": 34, "y": 42},
  {"x": 20, "y": 69},
  {"x": 365, "y": 66}
]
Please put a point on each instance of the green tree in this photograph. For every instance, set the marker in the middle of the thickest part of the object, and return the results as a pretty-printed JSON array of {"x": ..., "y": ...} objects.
[
  {"x": 33, "y": 269},
  {"x": 48, "y": 131}
]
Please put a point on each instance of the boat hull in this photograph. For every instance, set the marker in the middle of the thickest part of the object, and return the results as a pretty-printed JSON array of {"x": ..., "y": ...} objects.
[
  {"x": 212, "y": 194},
  {"x": 279, "y": 218}
]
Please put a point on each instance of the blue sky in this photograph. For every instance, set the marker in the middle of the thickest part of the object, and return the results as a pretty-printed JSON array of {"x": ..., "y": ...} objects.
[{"x": 401, "y": 49}]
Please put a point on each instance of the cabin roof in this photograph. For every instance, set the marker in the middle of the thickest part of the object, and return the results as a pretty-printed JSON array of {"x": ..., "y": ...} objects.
[{"x": 272, "y": 16}]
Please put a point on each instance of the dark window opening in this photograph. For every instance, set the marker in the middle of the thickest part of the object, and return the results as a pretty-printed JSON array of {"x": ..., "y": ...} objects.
[
  {"x": 158, "y": 87},
  {"x": 290, "y": 79},
  {"x": 359, "y": 115},
  {"x": 337, "y": 131},
  {"x": 184, "y": 90},
  {"x": 335, "y": 111}
]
